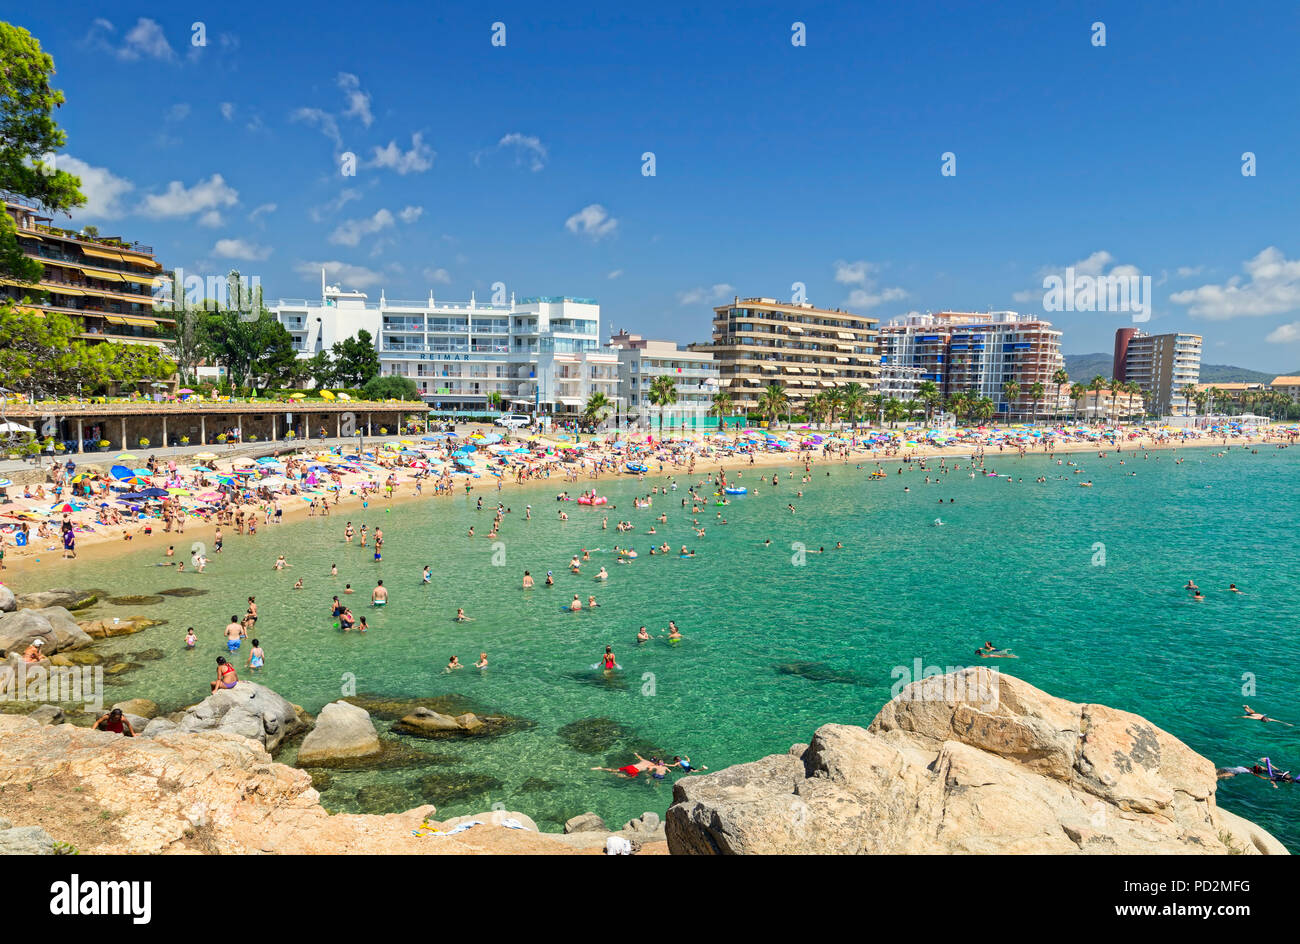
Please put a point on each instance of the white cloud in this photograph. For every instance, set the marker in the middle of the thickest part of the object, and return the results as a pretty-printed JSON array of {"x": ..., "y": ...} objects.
[
  {"x": 411, "y": 213},
  {"x": 262, "y": 210},
  {"x": 103, "y": 189},
  {"x": 1284, "y": 334},
  {"x": 1273, "y": 287},
  {"x": 716, "y": 293},
  {"x": 862, "y": 274},
  {"x": 228, "y": 110},
  {"x": 178, "y": 112},
  {"x": 1096, "y": 265},
  {"x": 343, "y": 273},
  {"x": 240, "y": 249},
  {"x": 358, "y": 100},
  {"x": 346, "y": 196},
  {"x": 179, "y": 200},
  {"x": 616, "y": 274},
  {"x": 592, "y": 221},
  {"x": 349, "y": 232},
  {"x": 528, "y": 149},
  {"x": 145, "y": 40},
  {"x": 436, "y": 275},
  {"x": 212, "y": 219},
  {"x": 1186, "y": 272},
  {"x": 323, "y": 120},
  {"x": 419, "y": 158}
]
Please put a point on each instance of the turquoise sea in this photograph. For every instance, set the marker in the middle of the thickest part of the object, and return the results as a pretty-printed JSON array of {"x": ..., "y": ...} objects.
[{"x": 1083, "y": 583}]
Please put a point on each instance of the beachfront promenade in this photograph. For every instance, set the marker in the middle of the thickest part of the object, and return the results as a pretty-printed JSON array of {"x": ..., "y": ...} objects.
[{"x": 82, "y": 426}]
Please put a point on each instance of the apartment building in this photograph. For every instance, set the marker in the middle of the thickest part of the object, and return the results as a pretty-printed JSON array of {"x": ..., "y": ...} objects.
[
  {"x": 104, "y": 281},
  {"x": 694, "y": 374},
  {"x": 760, "y": 341},
  {"x": 980, "y": 353},
  {"x": 1165, "y": 366}
]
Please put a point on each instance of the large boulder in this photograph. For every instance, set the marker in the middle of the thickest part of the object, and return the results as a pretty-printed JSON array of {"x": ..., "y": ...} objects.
[
  {"x": 142, "y": 707},
  {"x": 58, "y": 596},
  {"x": 342, "y": 731},
  {"x": 8, "y": 602},
  {"x": 248, "y": 709},
  {"x": 117, "y": 626},
  {"x": 26, "y": 840},
  {"x": 68, "y": 633},
  {"x": 971, "y": 762},
  {"x": 425, "y": 722},
  {"x": 20, "y": 629}
]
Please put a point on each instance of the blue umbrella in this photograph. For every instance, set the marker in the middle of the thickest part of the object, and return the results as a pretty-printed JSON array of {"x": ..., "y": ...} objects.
[{"x": 121, "y": 472}]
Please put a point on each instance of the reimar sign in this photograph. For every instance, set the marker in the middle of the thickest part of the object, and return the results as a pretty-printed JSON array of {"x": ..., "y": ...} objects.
[{"x": 1130, "y": 294}]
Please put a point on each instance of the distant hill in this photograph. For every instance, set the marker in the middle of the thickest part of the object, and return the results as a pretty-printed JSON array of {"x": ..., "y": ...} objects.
[{"x": 1083, "y": 367}]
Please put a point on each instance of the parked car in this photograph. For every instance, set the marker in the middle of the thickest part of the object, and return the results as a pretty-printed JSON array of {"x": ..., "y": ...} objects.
[{"x": 513, "y": 420}]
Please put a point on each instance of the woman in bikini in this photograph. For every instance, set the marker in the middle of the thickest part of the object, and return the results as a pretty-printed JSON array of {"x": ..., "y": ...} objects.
[{"x": 226, "y": 677}]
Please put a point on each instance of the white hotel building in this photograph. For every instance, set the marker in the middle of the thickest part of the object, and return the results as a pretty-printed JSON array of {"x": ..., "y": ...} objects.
[
  {"x": 694, "y": 375},
  {"x": 542, "y": 355}
]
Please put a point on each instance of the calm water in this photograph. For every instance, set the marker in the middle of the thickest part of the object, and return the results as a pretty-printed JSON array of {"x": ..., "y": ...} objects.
[{"x": 772, "y": 649}]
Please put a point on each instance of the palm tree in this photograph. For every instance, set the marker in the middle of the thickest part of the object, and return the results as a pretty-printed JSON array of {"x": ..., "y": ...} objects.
[
  {"x": 1011, "y": 390},
  {"x": 1189, "y": 394},
  {"x": 853, "y": 398},
  {"x": 1133, "y": 390},
  {"x": 984, "y": 408},
  {"x": 957, "y": 405},
  {"x": 722, "y": 405},
  {"x": 1077, "y": 392},
  {"x": 773, "y": 401},
  {"x": 1096, "y": 385},
  {"x": 818, "y": 407},
  {"x": 913, "y": 407},
  {"x": 894, "y": 411},
  {"x": 1036, "y": 394},
  {"x": 1114, "y": 392},
  {"x": 663, "y": 392},
  {"x": 834, "y": 402},
  {"x": 598, "y": 407},
  {"x": 878, "y": 401},
  {"x": 928, "y": 392}
]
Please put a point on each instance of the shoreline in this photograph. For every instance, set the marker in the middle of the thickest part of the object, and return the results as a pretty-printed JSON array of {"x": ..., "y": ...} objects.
[{"x": 25, "y": 563}]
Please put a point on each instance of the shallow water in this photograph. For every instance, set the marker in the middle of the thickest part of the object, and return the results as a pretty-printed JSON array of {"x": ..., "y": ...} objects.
[{"x": 773, "y": 647}]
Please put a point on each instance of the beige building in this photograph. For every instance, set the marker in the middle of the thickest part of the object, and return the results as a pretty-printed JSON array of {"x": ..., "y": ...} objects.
[
  {"x": 1105, "y": 405},
  {"x": 805, "y": 349},
  {"x": 104, "y": 281},
  {"x": 1288, "y": 385}
]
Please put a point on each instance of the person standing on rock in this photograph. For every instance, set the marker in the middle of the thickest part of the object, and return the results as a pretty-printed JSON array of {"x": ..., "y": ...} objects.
[{"x": 226, "y": 677}]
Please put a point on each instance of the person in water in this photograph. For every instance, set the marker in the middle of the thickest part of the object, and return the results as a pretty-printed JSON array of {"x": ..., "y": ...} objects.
[
  {"x": 657, "y": 770},
  {"x": 256, "y": 657},
  {"x": 453, "y": 663},
  {"x": 482, "y": 661},
  {"x": 1253, "y": 715},
  {"x": 685, "y": 764},
  {"x": 115, "y": 722},
  {"x": 608, "y": 659}
]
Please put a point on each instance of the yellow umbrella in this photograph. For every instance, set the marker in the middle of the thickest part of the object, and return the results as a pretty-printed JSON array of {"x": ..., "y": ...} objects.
[
  {"x": 325, "y": 394},
  {"x": 205, "y": 455},
  {"x": 297, "y": 396}
]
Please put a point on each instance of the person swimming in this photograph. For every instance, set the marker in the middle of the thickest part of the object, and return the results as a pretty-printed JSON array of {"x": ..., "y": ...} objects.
[{"x": 1253, "y": 715}]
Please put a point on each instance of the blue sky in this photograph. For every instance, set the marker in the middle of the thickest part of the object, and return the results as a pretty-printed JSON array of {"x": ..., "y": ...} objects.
[{"x": 774, "y": 163}]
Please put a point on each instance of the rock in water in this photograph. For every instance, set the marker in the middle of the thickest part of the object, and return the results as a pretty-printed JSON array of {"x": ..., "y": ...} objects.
[
  {"x": 341, "y": 731},
  {"x": 585, "y": 823},
  {"x": 20, "y": 629},
  {"x": 971, "y": 762},
  {"x": 58, "y": 596},
  {"x": 248, "y": 709}
]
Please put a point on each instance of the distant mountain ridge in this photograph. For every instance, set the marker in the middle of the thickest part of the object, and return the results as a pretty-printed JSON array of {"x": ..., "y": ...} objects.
[{"x": 1083, "y": 367}]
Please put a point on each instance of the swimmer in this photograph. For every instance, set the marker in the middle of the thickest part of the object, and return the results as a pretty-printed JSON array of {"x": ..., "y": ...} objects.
[
  {"x": 1252, "y": 715},
  {"x": 575, "y": 605},
  {"x": 591, "y": 602},
  {"x": 482, "y": 661},
  {"x": 379, "y": 595},
  {"x": 685, "y": 763},
  {"x": 461, "y": 617},
  {"x": 298, "y": 584},
  {"x": 658, "y": 771},
  {"x": 427, "y": 576},
  {"x": 528, "y": 580},
  {"x": 603, "y": 575},
  {"x": 452, "y": 664},
  {"x": 191, "y": 640},
  {"x": 1190, "y": 585},
  {"x": 256, "y": 657},
  {"x": 1232, "y": 588},
  {"x": 642, "y": 635}
]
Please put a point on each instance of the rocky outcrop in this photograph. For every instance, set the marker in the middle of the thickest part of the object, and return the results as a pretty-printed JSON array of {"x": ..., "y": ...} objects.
[
  {"x": 67, "y": 633},
  {"x": 58, "y": 596},
  {"x": 8, "y": 602},
  {"x": 20, "y": 629},
  {"x": 972, "y": 762},
  {"x": 24, "y": 840},
  {"x": 424, "y": 722},
  {"x": 141, "y": 707},
  {"x": 342, "y": 731},
  {"x": 118, "y": 626},
  {"x": 248, "y": 709},
  {"x": 210, "y": 792},
  {"x": 585, "y": 823}
]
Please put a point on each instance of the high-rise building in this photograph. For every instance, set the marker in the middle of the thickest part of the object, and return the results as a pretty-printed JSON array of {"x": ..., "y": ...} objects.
[
  {"x": 539, "y": 355},
  {"x": 1163, "y": 365},
  {"x": 694, "y": 375},
  {"x": 804, "y": 349},
  {"x": 980, "y": 353},
  {"x": 105, "y": 281}
]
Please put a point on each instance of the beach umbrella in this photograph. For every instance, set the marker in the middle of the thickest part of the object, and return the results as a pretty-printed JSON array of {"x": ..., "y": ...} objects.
[
  {"x": 344, "y": 396},
  {"x": 66, "y": 507},
  {"x": 326, "y": 395},
  {"x": 210, "y": 496},
  {"x": 154, "y": 493},
  {"x": 11, "y": 427},
  {"x": 178, "y": 491},
  {"x": 205, "y": 456},
  {"x": 127, "y": 457},
  {"x": 5, "y": 482},
  {"x": 199, "y": 468},
  {"x": 297, "y": 396},
  {"x": 245, "y": 463}
]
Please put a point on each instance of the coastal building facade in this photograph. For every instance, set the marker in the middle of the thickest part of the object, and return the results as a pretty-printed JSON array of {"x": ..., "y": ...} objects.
[
  {"x": 981, "y": 353},
  {"x": 104, "y": 281},
  {"x": 1165, "y": 366},
  {"x": 539, "y": 355},
  {"x": 1288, "y": 385},
  {"x": 761, "y": 341},
  {"x": 899, "y": 382},
  {"x": 694, "y": 374}
]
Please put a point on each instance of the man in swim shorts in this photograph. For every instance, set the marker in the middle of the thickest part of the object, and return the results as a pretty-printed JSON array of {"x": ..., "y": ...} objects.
[
  {"x": 234, "y": 632},
  {"x": 658, "y": 771}
]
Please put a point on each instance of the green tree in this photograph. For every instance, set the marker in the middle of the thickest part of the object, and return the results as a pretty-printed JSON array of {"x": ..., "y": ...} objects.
[
  {"x": 1096, "y": 385},
  {"x": 772, "y": 402},
  {"x": 28, "y": 135},
  {"x": 390, "y": 387},
  {"x": 663, "y": 392},
  {"x": 722, "y": 405},
  {"x": 1036, "y": 394},
  {"x": 852, "y": 401},
  {"x": 355, "y": 360},
  {"x": 597, "y": 408},
  {"x": 1011, "y": 390},
  {"x": 928, "y": 392},
  {"x": 319, "y": 368},
  {"x": 1077, "y": 392}
]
